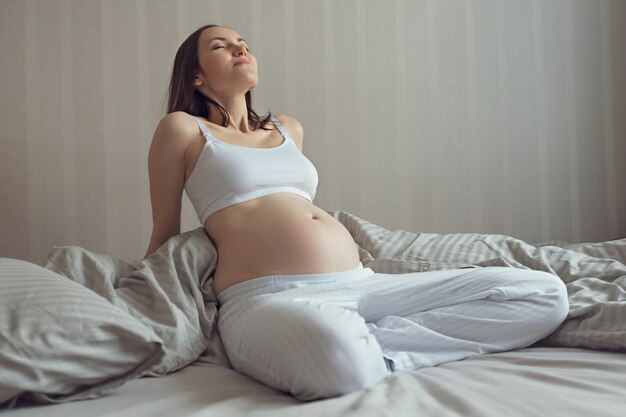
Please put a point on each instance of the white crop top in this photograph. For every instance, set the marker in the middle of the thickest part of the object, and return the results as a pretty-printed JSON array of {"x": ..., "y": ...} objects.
[{"x": 228, "y": 174}]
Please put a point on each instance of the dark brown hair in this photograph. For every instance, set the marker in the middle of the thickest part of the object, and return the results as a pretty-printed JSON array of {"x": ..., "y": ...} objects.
[{"x": 182, "y": 96}]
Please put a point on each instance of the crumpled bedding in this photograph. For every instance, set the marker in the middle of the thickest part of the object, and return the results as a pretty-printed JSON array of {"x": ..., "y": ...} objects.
[
  {"x": 594, "y": 273},
  {"x": 171, "y": 291}
]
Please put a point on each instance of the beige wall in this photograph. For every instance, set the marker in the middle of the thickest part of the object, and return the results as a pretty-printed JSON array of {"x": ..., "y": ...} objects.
[{"x": 437, "y": 116}]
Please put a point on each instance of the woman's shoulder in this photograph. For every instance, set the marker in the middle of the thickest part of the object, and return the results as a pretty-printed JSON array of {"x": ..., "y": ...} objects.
[
  {"x": 285, "y": 119},
  {"x": 289, "y": 121},
  {"x": 178, "y": 124},
  {"x": 179, "y": 120},
  {"x": 293, "y": 127},
  {"x": 177, "y": 129}
]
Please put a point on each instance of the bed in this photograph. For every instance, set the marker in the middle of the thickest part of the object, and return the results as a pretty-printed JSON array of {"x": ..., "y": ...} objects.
[{"x": 89, "y": 334}]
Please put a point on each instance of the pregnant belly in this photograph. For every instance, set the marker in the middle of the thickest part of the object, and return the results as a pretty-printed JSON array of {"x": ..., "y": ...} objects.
[{"x": 297, "y": 238}]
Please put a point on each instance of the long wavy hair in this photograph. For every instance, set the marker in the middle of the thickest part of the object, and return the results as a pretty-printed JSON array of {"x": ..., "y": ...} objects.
[{"x": 182, "y": 96}]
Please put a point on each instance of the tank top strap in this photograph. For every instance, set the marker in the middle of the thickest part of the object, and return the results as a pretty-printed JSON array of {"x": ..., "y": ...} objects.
[
  {"x": 280, "y": 127},
  {"x": 203, "y": 127}
]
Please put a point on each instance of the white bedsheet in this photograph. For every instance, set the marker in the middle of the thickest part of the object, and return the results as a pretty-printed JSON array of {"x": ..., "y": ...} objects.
[{"x": 539, "y": 381}]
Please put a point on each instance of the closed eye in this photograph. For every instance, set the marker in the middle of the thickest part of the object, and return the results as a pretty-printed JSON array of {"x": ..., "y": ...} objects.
[{"x": 217, "y": 47}]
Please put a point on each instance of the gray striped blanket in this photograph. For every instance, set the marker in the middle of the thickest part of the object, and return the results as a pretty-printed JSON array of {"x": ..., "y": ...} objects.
[
  {"x": 594, "y": 273},
  {"x": 171, "y": 291}
]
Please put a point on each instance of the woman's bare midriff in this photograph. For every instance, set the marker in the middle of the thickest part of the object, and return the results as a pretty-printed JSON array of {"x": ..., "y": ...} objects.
[{"x": 281, "y": 233}]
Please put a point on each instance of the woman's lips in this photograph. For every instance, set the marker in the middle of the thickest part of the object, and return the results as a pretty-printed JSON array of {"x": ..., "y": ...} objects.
[{"x": 243, "y": 61}]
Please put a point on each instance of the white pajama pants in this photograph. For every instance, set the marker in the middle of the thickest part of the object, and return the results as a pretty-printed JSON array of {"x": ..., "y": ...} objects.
[{"x": 323, "y": 335}]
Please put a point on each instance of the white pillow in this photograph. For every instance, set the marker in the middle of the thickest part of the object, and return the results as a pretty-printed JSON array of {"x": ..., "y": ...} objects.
[{"x": 60, "y": 341}]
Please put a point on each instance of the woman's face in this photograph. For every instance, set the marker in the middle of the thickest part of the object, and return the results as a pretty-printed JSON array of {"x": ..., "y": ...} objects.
[{"x": 219, "y": 71}]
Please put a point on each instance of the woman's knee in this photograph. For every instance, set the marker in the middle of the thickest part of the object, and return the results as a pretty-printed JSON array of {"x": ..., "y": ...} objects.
[
  {"x": 554, "y": 296},
  {"x": 310, "y": 349},
  {"x": 546, "y": 293},
  {"x": 348, "y": 358}
]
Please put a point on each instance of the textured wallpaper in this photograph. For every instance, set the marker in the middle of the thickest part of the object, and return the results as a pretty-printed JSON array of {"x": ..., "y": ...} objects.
[{"x": 441, "y": 116}]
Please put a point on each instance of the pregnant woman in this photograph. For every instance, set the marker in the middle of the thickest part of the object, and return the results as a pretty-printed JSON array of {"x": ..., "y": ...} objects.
[{"x": 298, "y": 311}]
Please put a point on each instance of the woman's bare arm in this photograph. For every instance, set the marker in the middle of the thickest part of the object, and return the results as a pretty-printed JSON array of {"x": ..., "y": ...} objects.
[{"x": 166, "y": 168}]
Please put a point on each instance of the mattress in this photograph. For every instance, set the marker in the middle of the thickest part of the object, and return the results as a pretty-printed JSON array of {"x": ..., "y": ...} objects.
[{"x": 536, "y": 381}]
